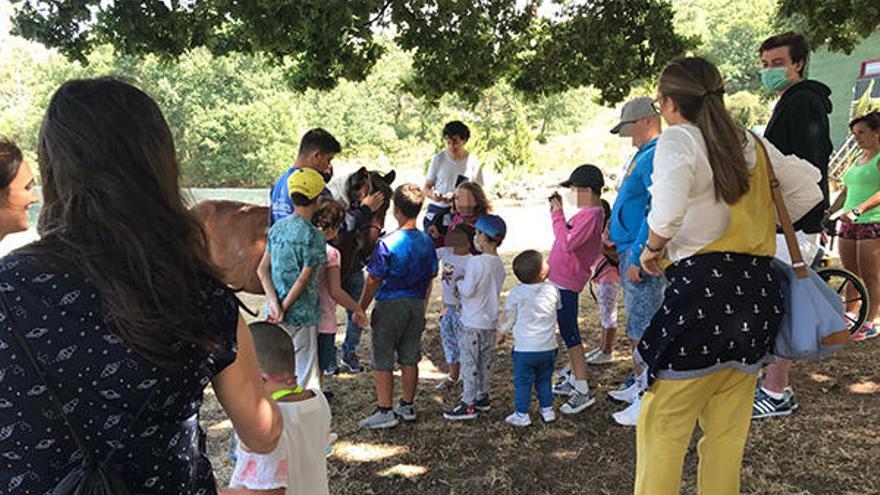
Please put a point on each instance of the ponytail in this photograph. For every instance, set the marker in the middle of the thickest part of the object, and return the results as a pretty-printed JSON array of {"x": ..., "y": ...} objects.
[{"x": 696, "y": 87}]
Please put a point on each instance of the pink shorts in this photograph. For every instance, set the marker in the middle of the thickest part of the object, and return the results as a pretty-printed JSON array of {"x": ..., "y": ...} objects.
[{"x": 859, "y": 231}]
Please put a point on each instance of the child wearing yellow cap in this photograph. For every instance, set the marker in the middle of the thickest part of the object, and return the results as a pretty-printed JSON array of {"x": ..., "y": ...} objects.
[{"x": 288, "y": 272}]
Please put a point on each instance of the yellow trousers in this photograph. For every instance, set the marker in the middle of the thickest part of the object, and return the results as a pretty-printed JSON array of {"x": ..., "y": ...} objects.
[{"x": 721, "y": 403}]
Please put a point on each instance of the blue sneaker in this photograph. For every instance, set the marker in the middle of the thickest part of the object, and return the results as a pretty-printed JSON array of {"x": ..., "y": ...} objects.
[
  {"x": 352, "y": 362},
  {"x": 461, "y": 412}
]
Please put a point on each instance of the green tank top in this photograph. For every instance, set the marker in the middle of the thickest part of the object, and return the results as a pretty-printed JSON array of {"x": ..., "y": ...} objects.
[{"x": 862, "y": 182}]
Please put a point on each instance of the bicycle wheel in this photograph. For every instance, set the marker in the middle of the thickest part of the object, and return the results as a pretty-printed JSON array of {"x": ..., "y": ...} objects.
[{"x": 840, "y": 280}]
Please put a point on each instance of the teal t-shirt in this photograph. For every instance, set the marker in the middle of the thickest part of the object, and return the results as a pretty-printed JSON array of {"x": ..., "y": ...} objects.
[{"x": 294, "y": 244}]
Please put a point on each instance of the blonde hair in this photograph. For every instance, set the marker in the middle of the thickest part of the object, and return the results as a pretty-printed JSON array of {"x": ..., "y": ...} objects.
[{"x": 696, "y": 87}]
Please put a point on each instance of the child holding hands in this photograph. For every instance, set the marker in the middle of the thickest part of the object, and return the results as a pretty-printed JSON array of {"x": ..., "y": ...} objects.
[
  {"x": 328, "y": 219},
  {"x": 530, "y": 312}
]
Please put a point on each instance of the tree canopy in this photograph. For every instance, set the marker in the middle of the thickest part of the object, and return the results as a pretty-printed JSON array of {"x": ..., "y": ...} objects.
[
  {"x": 460, "y": 47},
  {"x": 840, "y": 24}
]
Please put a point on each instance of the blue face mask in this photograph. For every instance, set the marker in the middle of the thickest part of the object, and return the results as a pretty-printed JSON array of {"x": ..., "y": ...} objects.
[{"x": 773, "y": 78}]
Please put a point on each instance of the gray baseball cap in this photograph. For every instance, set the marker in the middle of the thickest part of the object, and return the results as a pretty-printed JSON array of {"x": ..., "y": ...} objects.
[{"x": 634, "y": 110}]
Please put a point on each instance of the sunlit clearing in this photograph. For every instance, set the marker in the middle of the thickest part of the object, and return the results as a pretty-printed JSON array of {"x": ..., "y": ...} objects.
[
  {"x": 221, "y": 425},
  {"x": 366, "y": 452},
  {"x": 820, "y": 378},
  {"x": 403, "y": 471},
  {"x": 429, "y": 371},
  {"x": 865, "y": 388},
  {"x": 565, "y": 454}
]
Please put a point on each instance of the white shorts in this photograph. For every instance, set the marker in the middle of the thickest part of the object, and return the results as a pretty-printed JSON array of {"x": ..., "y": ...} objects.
[{"x": 809, "y": 244}]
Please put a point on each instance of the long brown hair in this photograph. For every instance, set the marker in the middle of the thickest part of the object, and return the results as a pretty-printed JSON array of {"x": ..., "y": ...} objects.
[
  {"x": 112, "y": 207},
  {"x": 696, "y": 87},
  {"x": 484, "y": 207}
]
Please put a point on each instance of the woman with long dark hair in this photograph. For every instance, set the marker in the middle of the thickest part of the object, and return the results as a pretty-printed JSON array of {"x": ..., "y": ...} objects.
[
  {"x": 122, "y": 309},
  {"x": 713, "y": 218}
]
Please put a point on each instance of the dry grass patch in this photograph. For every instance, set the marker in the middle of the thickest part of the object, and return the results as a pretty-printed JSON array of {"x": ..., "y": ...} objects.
[{"x": 829, "y": 446}]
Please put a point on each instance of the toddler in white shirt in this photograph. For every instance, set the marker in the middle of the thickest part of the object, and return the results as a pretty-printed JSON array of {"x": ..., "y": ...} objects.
[{"x": 530, "y": 313}]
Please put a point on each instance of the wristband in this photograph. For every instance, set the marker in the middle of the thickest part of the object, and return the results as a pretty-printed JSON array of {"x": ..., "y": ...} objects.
[
  {"x": 857, "y": 212},
  {"x": 651, "y": 249}
]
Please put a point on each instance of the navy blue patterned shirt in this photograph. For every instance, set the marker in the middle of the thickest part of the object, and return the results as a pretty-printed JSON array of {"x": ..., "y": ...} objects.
[{"x": 102, "y": 384}]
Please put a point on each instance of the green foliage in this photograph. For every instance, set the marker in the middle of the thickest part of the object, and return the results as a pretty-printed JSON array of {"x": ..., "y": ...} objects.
[
  {"x": 461, "y": 47},
  {"x": 748, "y": 109},
  {"x": 235, "y": 122},
  {"x": 607, "y": 44},
  {"x": 730, "y": 34},
  {"x": 839, "y": 24}
]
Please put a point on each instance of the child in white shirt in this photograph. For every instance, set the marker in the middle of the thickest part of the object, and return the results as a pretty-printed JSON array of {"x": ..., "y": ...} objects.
[
  {"x": 479, "y": 290},
  {"x": 298, "y": 464},
  {"x": 454, "y": 258},
  {"x": 530, "y": 311}
]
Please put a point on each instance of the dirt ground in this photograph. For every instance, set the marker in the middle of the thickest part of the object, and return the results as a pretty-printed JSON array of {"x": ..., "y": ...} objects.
[{"x": 829, "y": 446}]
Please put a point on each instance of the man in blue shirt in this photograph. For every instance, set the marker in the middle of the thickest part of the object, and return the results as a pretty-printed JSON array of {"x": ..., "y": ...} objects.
[
  {"x": 317, "y": 148},
  {"x": 642, "y": 293},
  {"x": 401, "y": 270}
]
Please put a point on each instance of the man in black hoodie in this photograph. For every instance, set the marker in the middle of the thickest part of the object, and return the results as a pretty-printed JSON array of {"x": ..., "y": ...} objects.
[{"x": 798, "y": 126}]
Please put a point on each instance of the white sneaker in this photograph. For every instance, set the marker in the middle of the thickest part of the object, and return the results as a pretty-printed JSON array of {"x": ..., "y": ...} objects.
[
  {"x": 447, "y": 384},
  {"x": 517, "y": 419},
  {"x": 592, "y": 352},
  {"x": 626, "y": 393},
  {"x": 630, "y": 415},
  {"x": 601, "y": 358},
  {"x": 548, "y": 415}
]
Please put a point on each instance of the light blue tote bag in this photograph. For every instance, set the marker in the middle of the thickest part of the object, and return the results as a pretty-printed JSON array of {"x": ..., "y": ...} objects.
[{"x": 813, "y": 325}]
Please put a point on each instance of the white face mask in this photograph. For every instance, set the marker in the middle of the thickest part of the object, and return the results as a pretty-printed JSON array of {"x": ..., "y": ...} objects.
[
  {"x": 478, "y": 244},
  {"x": 571, "y": 196}
]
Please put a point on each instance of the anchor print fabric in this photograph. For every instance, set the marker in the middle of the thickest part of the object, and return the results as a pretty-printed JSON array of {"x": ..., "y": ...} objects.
[
  {"x": 720, "y": 310},
  {"x": 102, "y": 383}
]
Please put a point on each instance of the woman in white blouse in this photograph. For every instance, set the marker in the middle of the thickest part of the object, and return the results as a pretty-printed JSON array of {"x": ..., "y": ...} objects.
[{"x": 713, "y": 218}]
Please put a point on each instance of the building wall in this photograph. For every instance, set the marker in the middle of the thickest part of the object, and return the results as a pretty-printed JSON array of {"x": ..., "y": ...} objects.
[{"x": 839, "y": 71}]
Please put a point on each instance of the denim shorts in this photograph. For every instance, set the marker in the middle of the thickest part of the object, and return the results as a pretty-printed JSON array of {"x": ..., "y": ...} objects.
[{"x": 641, "y": 300}]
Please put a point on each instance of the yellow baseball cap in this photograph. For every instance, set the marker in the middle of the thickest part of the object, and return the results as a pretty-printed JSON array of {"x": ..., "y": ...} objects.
[{"x": 306, "y": 181}]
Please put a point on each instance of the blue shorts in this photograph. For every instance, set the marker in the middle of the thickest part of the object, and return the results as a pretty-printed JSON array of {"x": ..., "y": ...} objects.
[
  {"x": 640, "y": 300},
  {"x": 567, "y": 318}
]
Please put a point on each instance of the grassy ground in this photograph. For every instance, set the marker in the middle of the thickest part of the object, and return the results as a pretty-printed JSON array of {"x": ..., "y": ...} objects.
[{"x": 828, "y": 446}]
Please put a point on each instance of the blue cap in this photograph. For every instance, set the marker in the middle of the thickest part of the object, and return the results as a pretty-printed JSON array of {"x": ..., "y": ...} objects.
[{"x": 493, "y": 226}]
